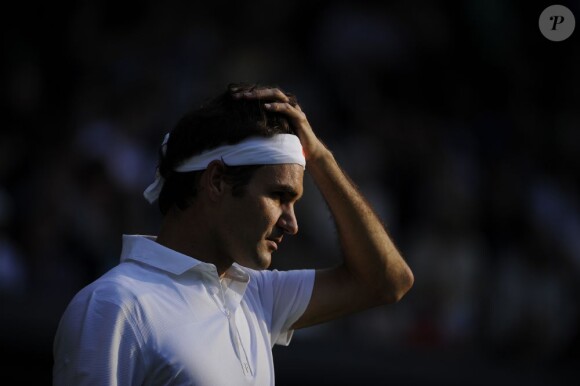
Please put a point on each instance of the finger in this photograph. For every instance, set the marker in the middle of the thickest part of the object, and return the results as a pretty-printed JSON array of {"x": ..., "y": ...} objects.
[
  {"x": 279, "y": 107},
  {"x": 293, "y": 112},
  {"x": 300, "y": 124},
  {"x": 273, "y": 94}
]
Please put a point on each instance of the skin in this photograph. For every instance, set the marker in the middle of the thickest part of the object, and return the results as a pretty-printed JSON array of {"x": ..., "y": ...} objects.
[
  {"x": 266, "y": 211},
  {"x": 210, "y": 229},
  {"x": 372, "y": 273}
]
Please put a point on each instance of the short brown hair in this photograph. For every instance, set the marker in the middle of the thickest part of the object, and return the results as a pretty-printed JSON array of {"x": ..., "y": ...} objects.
[{"x": 223, "y": 120}]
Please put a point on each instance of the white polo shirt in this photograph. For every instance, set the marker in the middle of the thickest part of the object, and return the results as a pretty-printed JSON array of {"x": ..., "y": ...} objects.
[{"x": 164, "y": 318}]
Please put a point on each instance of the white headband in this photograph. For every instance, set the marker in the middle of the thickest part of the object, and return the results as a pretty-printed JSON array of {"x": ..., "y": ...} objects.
[{"x": 278, "y": 149}]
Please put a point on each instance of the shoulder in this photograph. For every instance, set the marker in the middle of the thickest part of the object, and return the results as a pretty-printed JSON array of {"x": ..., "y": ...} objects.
[{"x": 121, "y": 286}]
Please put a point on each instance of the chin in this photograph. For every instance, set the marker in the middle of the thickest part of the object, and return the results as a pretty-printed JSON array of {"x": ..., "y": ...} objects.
[
  {"x": 263, "y": 261},
  {"x": 257, "y": 262}
]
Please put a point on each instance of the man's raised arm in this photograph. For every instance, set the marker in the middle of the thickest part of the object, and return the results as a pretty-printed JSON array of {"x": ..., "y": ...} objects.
[{"x": 373, "y": 271}]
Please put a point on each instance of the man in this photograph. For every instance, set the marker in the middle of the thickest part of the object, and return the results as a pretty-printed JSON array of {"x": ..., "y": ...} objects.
[{"x": 196, "y": 305}]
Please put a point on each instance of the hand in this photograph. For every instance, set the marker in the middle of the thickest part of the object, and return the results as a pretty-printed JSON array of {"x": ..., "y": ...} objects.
[{"x": 278, "y": 102}]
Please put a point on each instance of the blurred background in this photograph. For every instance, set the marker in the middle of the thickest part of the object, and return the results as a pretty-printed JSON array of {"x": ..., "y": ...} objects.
[{"x": 459, "y": 121}]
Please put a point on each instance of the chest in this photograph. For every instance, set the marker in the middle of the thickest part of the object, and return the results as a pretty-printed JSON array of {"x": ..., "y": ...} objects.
[{"x": 209, "y": 336}]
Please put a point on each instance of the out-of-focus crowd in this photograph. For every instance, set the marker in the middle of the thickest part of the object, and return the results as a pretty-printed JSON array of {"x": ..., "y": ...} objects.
[{"x": 458, "y": 121}]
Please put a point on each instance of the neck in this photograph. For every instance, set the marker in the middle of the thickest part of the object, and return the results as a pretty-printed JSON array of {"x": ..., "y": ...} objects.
[{"x": 190, "y": 235}]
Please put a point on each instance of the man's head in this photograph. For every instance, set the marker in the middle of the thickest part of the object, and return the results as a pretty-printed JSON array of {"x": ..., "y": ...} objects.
[
  {"x": 224, "y": 120},
  {"x": 221, "y": 212}
]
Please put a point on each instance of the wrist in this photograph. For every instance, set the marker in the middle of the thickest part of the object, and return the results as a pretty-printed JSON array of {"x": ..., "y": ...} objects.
[
  {"x": 319, "y": 159},
  {"x": 317, "y": 152}
]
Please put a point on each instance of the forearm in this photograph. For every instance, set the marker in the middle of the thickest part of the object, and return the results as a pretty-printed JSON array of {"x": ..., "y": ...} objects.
[
  {"x": 373, "y": 272},
  {"x": 370, "y": 255}
]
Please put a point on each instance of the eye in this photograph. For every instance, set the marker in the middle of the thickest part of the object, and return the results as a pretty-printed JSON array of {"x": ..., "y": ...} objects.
[
  {"x": 280, "y": 196},
  {"x": 284, "y": 196}
]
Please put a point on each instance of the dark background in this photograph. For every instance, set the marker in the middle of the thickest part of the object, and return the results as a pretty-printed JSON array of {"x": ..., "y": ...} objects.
[{"x": 458, "y": 120}]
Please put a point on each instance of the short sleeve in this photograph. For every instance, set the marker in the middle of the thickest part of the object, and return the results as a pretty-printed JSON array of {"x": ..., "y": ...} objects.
[{"x": 285, "y": 296}]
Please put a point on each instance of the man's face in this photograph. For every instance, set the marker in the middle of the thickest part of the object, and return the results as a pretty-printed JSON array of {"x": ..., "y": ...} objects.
[{"x": 254, "y": 224}]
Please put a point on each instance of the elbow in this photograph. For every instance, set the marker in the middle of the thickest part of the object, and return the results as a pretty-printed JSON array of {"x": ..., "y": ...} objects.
[
  {"x": 399, "y": 287},
  {"x": 407, "y": 283}
]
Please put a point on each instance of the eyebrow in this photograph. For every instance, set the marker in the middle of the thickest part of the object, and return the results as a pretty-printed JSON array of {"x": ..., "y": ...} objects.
[{"x": 286, "y": 189}]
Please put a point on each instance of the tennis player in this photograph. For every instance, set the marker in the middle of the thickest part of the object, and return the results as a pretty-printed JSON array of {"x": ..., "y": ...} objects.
[{"x": 196, "y": 304}]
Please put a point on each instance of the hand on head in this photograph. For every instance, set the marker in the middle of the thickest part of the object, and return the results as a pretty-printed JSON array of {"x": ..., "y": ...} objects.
[{"x": 275, "y": 100}]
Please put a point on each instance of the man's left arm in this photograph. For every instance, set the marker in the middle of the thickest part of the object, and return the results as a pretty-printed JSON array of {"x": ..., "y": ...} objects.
[{"x": 372, "y": 272}]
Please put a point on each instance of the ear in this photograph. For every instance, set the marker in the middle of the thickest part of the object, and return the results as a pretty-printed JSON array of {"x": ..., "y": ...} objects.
[{"x": 212, "y": 180}]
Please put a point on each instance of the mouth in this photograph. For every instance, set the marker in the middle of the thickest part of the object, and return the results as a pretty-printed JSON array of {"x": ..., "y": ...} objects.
[{"x": 274, "y": 243}]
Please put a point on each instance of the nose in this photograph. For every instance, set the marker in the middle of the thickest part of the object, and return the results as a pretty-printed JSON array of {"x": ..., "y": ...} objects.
[{"x": 288, "y": 221}]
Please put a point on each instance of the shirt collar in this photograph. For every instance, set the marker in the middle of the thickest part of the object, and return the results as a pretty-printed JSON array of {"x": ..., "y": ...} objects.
[{"x": 145, "y": 249}]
